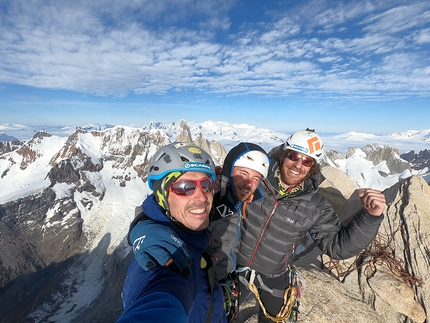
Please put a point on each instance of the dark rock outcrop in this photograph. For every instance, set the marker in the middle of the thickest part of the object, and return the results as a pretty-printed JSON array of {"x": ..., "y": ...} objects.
[{"x": 419, "y": 160}]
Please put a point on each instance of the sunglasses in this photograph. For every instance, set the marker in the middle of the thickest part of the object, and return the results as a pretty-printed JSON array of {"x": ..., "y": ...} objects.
[
  {"x": 188, "y": 187},
  {"x": 295, "y": 156}
]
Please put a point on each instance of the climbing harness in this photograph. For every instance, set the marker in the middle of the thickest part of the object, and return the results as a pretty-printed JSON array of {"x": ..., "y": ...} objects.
[{"x": 291, "y": 295}]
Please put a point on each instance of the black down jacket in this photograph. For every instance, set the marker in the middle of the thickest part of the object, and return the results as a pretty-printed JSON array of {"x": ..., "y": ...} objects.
[
  {"x": 226, "y": 214},
  {"x": 276, "y": 224}
]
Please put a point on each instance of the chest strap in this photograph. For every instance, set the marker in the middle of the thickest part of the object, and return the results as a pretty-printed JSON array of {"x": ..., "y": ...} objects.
[{"x": 140, "y": 217}]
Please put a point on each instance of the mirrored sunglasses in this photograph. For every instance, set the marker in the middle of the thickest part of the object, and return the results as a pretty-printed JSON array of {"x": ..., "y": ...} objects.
[
  {"x": 295, "y": 156},
  {"x": 188, "y": 187}
]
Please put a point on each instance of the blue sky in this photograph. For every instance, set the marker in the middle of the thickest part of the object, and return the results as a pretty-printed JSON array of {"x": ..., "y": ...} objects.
[{"x": 335, "y": 66}]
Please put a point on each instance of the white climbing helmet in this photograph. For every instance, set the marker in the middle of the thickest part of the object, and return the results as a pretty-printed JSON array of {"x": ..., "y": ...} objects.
[
  {"x": 307, "y": 142},
  {"x": 255, "y": 160}
]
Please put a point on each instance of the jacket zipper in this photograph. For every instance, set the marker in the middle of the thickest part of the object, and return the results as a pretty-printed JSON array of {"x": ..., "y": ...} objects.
[{"x": 264, "y": 228}]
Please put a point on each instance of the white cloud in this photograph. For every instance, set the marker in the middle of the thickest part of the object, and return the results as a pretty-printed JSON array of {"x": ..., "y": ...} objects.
[
  {"x": 398, "y": 19},
  {"x": 148, "y": 47},
  {"x": 422, "y": 36}
]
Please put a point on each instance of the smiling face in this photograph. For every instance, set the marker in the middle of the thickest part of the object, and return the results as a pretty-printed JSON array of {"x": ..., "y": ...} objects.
[
  {"x": 192, "y": 210},
  {"x": 245, "y": 182},
  {"x": 293, "y": 172}
]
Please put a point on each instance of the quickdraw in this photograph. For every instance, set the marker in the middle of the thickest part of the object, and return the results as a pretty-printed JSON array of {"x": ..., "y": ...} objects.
[{"x": 231, "y": 296}]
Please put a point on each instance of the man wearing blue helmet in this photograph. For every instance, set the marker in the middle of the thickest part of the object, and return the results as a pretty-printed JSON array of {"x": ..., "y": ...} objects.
[
  {"x": 181, "y": 176},
  {"x": 289, "y": 212},
  {"x": 245, "y": 166}
]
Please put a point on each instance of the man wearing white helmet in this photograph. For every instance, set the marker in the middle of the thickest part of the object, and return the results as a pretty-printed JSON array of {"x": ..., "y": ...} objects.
[
  {"x": 244, "y": 167},
  {"x": 290, "y": 211}
]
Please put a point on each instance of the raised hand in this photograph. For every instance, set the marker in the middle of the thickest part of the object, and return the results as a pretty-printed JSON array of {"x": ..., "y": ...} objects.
[{"x": 372, "y": 200}]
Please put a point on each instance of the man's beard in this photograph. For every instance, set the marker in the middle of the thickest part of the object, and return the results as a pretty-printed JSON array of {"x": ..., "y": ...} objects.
[{"x": 286, "y": 180}]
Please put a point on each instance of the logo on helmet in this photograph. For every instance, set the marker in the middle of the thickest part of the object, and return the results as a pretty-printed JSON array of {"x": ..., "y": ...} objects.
[
  {"x": 300, "y": 148},
  {"x": 194, "y": 150},
  {"x": 197, "y": 165},
  {"x": 314, "y": 144}
]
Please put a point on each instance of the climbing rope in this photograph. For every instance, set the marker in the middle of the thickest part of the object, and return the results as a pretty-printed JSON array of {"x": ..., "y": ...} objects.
[
  {"x": 291, "y": 295},
  {"x": 379, "y": 252},
  {"x": 286, "y": 309}
]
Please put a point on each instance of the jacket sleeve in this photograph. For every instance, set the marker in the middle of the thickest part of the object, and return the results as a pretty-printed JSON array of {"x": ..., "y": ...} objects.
[
  {"x": 225, "y": 237},
  {"x": 143, "y": 289},
  {"x": 342, "y": 242},
  {"x": 155, "y": 307}
]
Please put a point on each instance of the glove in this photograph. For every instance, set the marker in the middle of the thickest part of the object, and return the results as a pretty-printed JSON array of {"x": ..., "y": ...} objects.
[{"x": 156, "y": 244}]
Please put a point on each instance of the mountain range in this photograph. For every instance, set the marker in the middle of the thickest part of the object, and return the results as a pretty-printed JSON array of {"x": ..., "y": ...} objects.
[{"x": 68, "y": 197}]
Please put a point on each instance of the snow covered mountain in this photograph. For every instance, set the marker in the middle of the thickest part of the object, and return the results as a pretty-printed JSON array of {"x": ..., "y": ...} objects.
[
  {"x": 65, "y": 207},
  {"x": 68, "y": 196},
  {"x": 226, "y": 134},
  {"x": 347, "y": 151}
]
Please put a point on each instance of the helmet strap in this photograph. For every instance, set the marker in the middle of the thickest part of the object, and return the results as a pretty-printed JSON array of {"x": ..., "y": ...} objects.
[
  {"x": 177, "y": 223},
  {"x": 161, "y": 188}
]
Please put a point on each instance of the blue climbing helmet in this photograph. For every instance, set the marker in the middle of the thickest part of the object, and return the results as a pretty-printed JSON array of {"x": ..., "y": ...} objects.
[{"x": 173, "y": 160}]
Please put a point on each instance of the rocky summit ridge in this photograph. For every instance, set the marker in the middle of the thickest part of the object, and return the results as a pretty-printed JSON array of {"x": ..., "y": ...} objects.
[{"x": 66, "y": 204}]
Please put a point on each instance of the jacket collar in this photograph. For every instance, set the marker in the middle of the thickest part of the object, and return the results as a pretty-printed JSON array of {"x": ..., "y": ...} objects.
[{"x": 310, "y": 185}]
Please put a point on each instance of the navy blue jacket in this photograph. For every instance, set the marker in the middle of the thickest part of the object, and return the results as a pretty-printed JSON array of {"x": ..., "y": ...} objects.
[{"x": 162, "y": 295}]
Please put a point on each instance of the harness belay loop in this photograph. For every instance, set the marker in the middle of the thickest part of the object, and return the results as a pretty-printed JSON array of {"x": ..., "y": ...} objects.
[{"x": 290, "y": 308}]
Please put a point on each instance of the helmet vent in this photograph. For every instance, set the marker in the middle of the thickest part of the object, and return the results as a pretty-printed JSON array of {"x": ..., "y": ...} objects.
[{"x": 161, "y": 156}]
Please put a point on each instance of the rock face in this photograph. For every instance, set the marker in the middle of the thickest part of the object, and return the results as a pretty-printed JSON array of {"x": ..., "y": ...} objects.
[
  {"x": 61, "y": 260},
  {"x": 417, "y": 160},
  {"x": 408, "y": 223},
  {"x": 392, "y": 271}
]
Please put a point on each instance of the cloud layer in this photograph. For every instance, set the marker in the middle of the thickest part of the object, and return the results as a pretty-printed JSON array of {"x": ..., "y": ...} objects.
[{"x": 372, "y": 50}]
